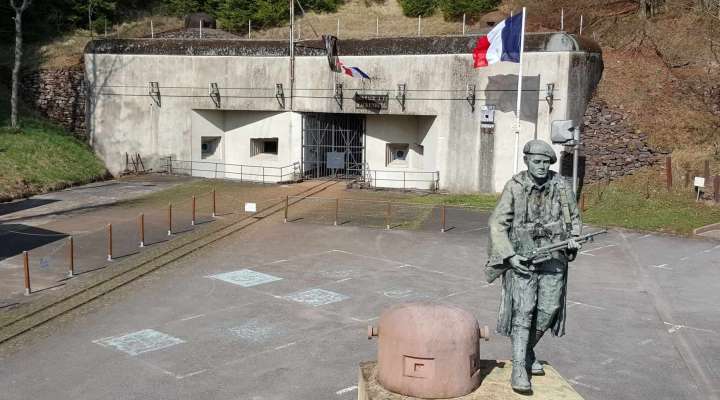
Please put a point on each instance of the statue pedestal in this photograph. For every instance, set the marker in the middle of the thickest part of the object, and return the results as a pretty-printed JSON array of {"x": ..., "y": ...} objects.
[{"x": 495, "y": 385}]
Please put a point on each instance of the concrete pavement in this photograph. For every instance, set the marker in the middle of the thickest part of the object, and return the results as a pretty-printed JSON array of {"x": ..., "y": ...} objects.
[{"x": 279, "y": 311}]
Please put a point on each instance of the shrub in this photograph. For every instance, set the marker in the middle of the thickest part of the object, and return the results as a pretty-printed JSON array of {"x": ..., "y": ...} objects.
[
  {"x": 414, "y": 8},
  {"x": 454, "y": 9}
]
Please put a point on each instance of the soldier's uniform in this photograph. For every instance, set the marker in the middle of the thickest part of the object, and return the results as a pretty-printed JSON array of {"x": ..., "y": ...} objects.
[{"x": 526, "y": 217}]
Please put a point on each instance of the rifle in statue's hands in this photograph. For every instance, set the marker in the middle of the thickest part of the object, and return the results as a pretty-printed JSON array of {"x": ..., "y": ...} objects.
[{"x": 544, "y": 253}]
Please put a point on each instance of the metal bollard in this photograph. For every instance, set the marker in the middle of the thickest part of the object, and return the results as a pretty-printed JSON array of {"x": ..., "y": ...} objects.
[
  {"x": 141, "y": 224},
  {"x": 71, "y": 255},
  {"x": 442, "y": 218},
  {"x": 109, "y": 242},
  {"x": 287, "y": 205},
  {"x": 337, "y": 206},
  {"x": 26, "y": 267},
  {"x": 169, "y": 219},
  {"x": 213, "y": 199},
  {"x": 192, "y": 222}
]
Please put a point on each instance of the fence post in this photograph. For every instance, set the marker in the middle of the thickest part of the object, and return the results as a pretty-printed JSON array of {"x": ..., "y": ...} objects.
[
  {"x": 687, "y": 178},
  {"x": 419, "y": 19},
  {"x": 26, "y": 268},
  {"x": 387, "y": 216},
  {"x": 442, "y": 218},
  {"x": 192, "y": 221},
  {"x": 404, "y": 181},
  {"x": 706, "y": 170},
  {"x": 109, "y": 242},
  {"x": 716, "y": 188},
  {"x": 263, "y": 173},
  {"x": 337, "y": 206},
  {"x": 169, "y": 219},
  {"x": 214, "y": 209},
  {"x": 463, "y": 31},
  {"x": 287, "y": 205},
  {"x": 141, "y": 224},
  {"x": 216, "y": 164},
  {"x": 668, "y": 172},
  {"x": 241, "y": 173},
  {"x": 71, "y": 255},
  {"x": 582, "y": 202}
]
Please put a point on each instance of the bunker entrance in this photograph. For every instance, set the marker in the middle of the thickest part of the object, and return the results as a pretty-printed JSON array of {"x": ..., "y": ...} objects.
[{"x": 333, "y": 145}]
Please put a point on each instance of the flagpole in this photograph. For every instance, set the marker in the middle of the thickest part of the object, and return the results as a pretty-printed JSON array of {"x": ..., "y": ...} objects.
[{"x": 519, "y": 97}]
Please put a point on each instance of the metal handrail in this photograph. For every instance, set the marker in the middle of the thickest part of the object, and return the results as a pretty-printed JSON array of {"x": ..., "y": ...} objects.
[
  {"x": 370, "y": 175},
  {"x": 264, "y": 173}
]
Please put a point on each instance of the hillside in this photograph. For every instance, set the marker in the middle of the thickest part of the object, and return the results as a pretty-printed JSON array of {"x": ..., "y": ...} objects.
[{"x": 660, "y": 72}]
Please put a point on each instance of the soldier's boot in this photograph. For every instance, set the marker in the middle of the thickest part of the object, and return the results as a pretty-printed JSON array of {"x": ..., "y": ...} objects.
[
  {"x": 533, "y": 364},
  {"x": 519, "y": 380}
]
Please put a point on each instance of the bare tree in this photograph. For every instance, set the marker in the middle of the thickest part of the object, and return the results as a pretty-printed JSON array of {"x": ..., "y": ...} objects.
[{"x": 19, "y": 8}]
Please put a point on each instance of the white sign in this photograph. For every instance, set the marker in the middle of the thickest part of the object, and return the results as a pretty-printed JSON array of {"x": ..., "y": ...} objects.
[
  {"x": 699, "y": 181},
  {"x": 250, "y": 207}
]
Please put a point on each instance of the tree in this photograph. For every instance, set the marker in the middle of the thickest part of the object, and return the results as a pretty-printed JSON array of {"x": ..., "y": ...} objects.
[{"x": 19, "y": 9}]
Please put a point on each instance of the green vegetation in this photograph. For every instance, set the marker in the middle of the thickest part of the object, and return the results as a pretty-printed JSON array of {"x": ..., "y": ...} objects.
[
  {"x": 642, "y": 202},
  {"x": 452, "y": 9},
  {"x": 201, "y": 188},
  {"x": 480, "y": 201},
  {"x": 414, "y": 8},
  {"x": 41, "y": 156},
  {"x": 638, "y": 202}
]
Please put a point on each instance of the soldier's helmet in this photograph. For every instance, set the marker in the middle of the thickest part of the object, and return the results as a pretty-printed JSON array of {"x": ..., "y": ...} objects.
[{"x": 540, "y": 147}]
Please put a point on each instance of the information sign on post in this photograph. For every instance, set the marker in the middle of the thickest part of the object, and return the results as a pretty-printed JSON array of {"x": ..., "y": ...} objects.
[
  {"x": 250, "y": 207},
  {"x": 699, "y": 184}
]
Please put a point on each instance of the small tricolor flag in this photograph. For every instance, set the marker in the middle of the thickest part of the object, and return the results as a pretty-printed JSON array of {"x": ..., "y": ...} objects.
[
  {"x": 501, "y": 44},
  {"x": 355, "y": 72}
]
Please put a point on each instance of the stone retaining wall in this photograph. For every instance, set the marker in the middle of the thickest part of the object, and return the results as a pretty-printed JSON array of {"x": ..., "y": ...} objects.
[
  {"x": 612, "y": 147},
  {"x": 58, "y": 95}
]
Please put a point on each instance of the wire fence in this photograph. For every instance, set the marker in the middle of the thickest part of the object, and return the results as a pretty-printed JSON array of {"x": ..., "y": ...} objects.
[
  {"x": 386, "y": 214},
  {"x": 50, "y": 258},
  {"x": 241, "y": 172}
]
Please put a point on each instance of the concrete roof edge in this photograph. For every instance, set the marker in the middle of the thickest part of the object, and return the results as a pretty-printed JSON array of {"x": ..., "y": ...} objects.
[{"x": 534, "y": 42}]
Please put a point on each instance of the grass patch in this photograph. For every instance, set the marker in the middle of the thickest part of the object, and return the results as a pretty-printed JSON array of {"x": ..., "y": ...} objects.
[
  {"x": 200, "y": 188},
  {"x": 42, "y": 157},
  {"x": 641, "y": 202},
  {"x": 480, "y": 201}
]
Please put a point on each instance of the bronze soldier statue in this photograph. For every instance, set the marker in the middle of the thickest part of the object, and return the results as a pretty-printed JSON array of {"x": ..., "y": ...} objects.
[{"x": 537, "y": 208}]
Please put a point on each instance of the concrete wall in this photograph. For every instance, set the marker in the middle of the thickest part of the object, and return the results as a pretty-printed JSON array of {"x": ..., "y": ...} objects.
[
  {"x": 418, "y": 133},
  {"x": 124, "y": 118}
]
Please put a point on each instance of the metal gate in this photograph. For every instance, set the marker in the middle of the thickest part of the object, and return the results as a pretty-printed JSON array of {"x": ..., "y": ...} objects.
[{"x": 333, "y": 145}]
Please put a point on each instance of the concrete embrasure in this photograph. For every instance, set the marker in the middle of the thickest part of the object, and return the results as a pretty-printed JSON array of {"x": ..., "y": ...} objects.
[{"x": 495, "y": 384}]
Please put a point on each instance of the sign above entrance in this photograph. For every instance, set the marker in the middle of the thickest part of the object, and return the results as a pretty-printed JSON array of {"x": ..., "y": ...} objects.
[{"x": 372, "y": 102}]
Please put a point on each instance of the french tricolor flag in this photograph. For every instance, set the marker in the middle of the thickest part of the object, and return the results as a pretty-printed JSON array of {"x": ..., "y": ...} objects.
[
  {"x": 501, "y": 44},
  {"x": 355, "y": 72}
]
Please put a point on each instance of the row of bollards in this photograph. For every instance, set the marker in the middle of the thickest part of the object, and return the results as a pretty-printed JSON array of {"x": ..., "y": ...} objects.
[
  {"x": 109, "y": 236},
  {"x": 71, "y": 264},
  {"x": 387, "y": 215}
]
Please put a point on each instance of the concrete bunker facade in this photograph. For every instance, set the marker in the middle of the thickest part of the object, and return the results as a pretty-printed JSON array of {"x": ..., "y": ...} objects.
[{"x": 227, "y": 106}]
